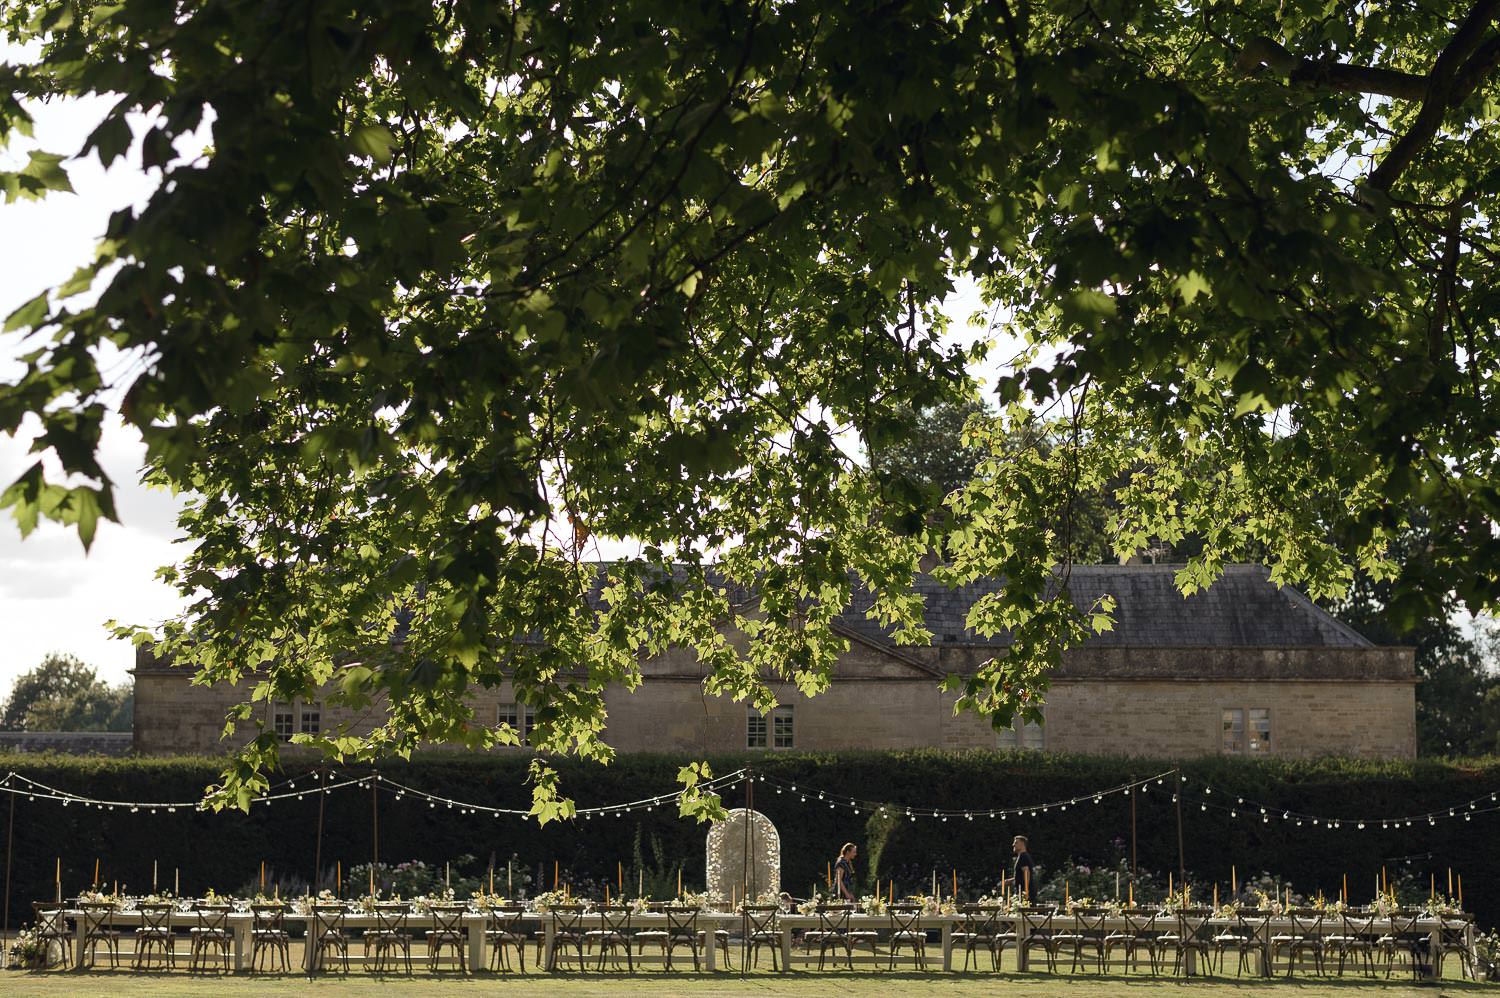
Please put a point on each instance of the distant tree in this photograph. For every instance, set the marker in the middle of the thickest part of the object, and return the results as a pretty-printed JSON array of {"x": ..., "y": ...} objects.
[
  {"x": 65, "y": 694},
  {"x": 1458, "y": 698},
  {"x": 932, "y": 456}
]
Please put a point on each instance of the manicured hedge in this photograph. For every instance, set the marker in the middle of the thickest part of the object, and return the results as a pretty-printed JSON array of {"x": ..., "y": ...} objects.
[{"x": 225, "y": 850}]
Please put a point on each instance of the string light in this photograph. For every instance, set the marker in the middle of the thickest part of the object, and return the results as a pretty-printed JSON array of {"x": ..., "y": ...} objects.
[{"x": 328, "y": 782}]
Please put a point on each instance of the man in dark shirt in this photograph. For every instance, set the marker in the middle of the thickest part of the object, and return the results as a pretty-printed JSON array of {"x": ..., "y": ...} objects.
[{"x": 1023, "y": 878}]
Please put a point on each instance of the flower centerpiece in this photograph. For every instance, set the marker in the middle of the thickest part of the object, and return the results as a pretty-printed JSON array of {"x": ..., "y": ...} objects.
[
  {"x": 1176, "y": 900},
  {"x": 484, "y": 899},
  {"x": 704, "y": 901},
  {"x": 872, "y": 904},
  {"x": 1328, "y": 906},
  {"x": 810, "y": 906},
  {"x": 304, "y": 905},
  {"x": 1439, "y": 906},
  {"x": 1086, "y": 903},
  {"x": 99, "y": 897},
  {"x": 30, "y": 950},
  {"x": 640, "y": 905},
  {"x": 425, "y": 902},
  {"x": 547, "y": 900},
  {"x": 1229, "y": 909}
]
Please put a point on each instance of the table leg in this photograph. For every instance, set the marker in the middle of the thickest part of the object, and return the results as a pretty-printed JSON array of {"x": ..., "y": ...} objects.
[
  {"x": 947, "y": 937},
  {"x": 240, "y": 928},
  {"x": 80, "y": 929},
  {"x": 549, "y": 939},
  {"x": 1023, "y": 956},
  {"x": 476, "y": 943},
  {"x": 786, "y": 948},
  {"x": 309, "y": 949},
  {"x": 1434, "y": 940},
  {"x": 712, "y": 939}
]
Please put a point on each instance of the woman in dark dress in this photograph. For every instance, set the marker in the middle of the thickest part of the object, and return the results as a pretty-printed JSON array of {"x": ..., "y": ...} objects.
[{"x": 843, "y": 873}]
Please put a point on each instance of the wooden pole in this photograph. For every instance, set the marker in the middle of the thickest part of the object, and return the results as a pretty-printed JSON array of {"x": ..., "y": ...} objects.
[
  {"x": 1177, "y": 798},
  {"x": 746, "y": 867},
  {"x": 10, "y": 837},
  {"x": 318, "y": 852},
  {"x": 375, "y": 824},
  {"x": 1133, "y": 792}
]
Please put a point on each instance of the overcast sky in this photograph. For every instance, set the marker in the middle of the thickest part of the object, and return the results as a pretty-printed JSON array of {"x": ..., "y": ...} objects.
[{"x": 53, "y": 596}]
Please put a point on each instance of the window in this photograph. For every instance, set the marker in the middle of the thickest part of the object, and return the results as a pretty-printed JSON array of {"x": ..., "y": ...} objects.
[
  {"x": 781, "y": 730},
  {"x": 774, "y": 729},
  {"x": 1234, "y": 730},
  {"x": 517, "y": 716},
  {"x": 1260, "y": 729},
  {"x": 282, "y": 720},
  {"x": 312, "y": 719},
  {"x": 1027, "y": 735}
]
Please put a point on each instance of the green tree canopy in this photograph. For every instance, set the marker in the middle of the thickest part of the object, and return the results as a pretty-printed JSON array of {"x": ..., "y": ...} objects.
[
  {"x": 458, "y": 286},
  {"x": 64, "y": 694}
]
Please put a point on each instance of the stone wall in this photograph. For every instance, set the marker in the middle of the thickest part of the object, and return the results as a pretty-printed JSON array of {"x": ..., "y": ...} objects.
[
  {"x": 1116, "y": 701},
  {"x": 1182, "y": 719},
  {"x": 114, "y": 743}
]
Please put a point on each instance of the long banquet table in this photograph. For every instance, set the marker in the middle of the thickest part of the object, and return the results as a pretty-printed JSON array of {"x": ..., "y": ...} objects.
[{"x": 475, "y": 923}]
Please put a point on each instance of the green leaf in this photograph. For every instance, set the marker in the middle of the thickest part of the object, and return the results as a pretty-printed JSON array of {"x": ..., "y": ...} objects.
[
  {"x": 375, "y": 141},
  {"x": 1191, "y": 285},
  {"x": 110, "y": 140},
  {"x": 1086, "y": 307},
  {"x": 29, "y": 315},
  {"x": 46, "y": 168}
]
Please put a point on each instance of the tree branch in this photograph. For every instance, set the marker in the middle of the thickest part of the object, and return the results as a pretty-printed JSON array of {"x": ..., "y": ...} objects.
[
  {"x": 1465, "y": 63},
  {"x": 1324, "y": 74}
]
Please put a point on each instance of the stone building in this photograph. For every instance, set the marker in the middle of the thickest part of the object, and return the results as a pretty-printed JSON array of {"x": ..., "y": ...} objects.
[{"x": 1244, "y": 668}]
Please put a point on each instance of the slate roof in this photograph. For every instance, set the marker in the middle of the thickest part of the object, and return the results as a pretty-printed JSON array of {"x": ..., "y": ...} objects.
[{"x": 1243, "y": 609}]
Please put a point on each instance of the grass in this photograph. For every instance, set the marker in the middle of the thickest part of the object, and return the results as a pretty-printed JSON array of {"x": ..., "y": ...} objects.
[
  {"x": 653, "y": 983},
  {"x": 761, "y": 985}
]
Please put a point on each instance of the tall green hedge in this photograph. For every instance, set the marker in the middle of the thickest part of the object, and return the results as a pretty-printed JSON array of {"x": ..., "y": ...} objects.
[{"x": 225, "y": 850}]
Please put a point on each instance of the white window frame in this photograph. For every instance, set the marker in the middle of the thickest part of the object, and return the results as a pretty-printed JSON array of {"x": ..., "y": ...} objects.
[
  {"x": 1232, "y": 720},
  {"x": 519, "y": 716},
  {"x": 1254, "y": 743},
  {"x": 757, "y": 729},
  {"x": 1022, "y": 736},
  {"x": 775, "y": 731},
  {"x": 284, "y": 716}
]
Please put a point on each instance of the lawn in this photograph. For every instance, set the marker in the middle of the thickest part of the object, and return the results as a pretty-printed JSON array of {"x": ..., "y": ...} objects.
[{"x": 112, "y": 984}]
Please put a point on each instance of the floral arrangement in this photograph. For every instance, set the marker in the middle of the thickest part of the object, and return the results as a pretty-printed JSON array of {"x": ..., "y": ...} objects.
[
  {"x": 1074, "y": 903},
  {"x": 1439, "y": 905},
  {"x": 1177, "y": 900},
  {"x": 483, "y": 899},
  {"x": 1268, "y": 902},
  {"x": 640, "y": 905},
  {"x": 704, "y": 901},
  {"x": 304, "y": 905},
  {"x": 1329, "y": 907},
  {"x": 810, "y": 906},
  {"x": 1229, "y": 909},
  {"x": 873, "y": 904},
  {"x": 547, "y": 900},
  {"x": 424, "y": 902},
  {"x": 30, "y": 951},
  {"x": 1487, "y": 955},
  {"x": 934, "y": 906},
  {"x": 99, "y": 897}
]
